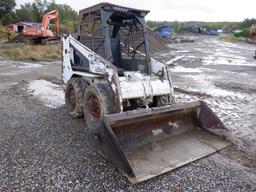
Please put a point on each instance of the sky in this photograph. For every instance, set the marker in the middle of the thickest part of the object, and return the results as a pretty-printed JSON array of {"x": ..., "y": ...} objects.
[{"x": 180, "y": 10}]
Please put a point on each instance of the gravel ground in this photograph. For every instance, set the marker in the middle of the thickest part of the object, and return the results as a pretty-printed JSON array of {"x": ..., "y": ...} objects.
[{"x": 43, "y": 149}]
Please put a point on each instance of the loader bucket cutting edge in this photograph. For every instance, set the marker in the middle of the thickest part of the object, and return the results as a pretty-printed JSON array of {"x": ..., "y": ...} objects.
[{"x": 146, "y": 144}]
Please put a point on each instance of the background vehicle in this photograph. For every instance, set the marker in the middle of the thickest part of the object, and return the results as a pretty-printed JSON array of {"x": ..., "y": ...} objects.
[
  {"x": 127, "y": 97},
  {"x": 44, "y": 35}
]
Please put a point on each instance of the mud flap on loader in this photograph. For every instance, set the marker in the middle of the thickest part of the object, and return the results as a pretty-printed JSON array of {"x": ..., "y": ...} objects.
[{"x": 146, "y": 144}]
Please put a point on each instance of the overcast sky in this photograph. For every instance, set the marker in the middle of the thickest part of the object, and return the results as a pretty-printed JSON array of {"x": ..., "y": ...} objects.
[{"x": 181, "y": 10}]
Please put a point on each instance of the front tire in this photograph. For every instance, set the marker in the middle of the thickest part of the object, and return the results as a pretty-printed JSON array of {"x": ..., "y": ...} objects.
[{"x": 99, "y": 100}]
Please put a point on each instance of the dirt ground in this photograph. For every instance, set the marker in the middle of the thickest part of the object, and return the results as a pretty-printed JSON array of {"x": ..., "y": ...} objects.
[
  {"x": 224, "y": 75},
  {"x": 43, "y": 149}
]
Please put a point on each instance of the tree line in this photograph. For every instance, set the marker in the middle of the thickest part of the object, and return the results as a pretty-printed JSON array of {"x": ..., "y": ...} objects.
[
  {"x": 33, "y": 12},
  {"x": 179, "y": 26}
]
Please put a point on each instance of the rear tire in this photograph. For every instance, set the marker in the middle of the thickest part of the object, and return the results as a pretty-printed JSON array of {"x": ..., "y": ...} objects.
[
  {"x": 99, "y": 100},
  {"x": 74, "y": 97}
]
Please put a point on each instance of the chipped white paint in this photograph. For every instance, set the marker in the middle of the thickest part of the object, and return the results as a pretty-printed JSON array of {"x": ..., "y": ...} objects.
[
  {"x": 137, "y": 85},
  {"x": 67, "y": 71},
  {"x": 97, "y": 64}
]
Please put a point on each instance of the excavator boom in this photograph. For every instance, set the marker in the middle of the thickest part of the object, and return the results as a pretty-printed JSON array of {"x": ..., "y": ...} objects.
[{"x": 53, "y": 15}]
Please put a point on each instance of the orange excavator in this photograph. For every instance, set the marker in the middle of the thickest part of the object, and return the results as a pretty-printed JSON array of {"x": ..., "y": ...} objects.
[{"x": 44, "y": 35}]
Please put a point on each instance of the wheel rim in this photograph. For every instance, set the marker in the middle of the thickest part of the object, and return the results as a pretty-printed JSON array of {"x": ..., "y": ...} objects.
[
  {"x": 94, "y": 108},
  {"x": 71, "y": 97}
]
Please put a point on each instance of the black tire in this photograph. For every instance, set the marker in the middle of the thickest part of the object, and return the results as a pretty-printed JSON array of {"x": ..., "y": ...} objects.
[
  {"x": 74, "y": 97},
  {"x": 99, "y": 100}
]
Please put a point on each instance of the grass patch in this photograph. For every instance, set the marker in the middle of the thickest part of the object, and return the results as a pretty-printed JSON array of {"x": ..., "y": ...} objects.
[
  {"x": 232, "y": 38},
  {"x": 4, "y": 36},
  {"x": 34, "y": 53}
]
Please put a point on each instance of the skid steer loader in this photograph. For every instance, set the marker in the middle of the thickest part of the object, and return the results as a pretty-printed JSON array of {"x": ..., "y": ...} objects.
[{"x": 127, "y": 99}]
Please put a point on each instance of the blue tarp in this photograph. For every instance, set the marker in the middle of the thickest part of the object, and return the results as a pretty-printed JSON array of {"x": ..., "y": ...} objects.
[{"x": 163, "y": 31}]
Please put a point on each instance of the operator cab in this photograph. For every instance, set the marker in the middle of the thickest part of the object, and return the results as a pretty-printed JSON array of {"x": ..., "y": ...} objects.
[{"x": 116, "y": 33}]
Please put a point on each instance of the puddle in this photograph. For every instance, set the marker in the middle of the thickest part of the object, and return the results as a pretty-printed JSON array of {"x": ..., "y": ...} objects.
[
  {"x": 19, "y": 64},
  {"x": 180, "y": 69},
  {"x": 204, "y": 84},
  {"x": 174, "y": 60},
  {"x": 29, "y": 65},
  {"x": 211, "y": 60},
  {"x": 52, "y": 95}
]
